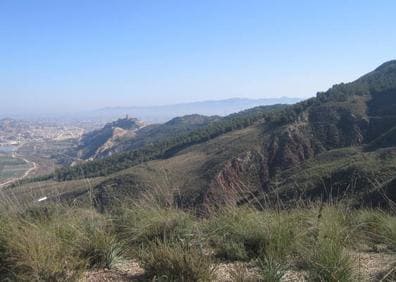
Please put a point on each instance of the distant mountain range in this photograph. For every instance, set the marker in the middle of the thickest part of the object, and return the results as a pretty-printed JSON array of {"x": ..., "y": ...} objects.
[
  {"x": 94, "y": 119},
  {"x": 159, "y": 114}
]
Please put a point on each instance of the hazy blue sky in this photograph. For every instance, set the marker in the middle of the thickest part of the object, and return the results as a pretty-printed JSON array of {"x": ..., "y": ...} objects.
[{"x": 76, "y": 54}]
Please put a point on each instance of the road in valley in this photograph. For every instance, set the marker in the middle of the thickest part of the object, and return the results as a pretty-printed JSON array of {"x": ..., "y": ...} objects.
[{"x": 33, "y": 167}]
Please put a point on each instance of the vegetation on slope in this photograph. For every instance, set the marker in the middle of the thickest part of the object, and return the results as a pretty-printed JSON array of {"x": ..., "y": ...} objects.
[
  {"x": 337, "y": 144},
  {"x": 166, "y": 147},
  {"x": 91, "y": 142},
  {"x": 321, "y": 242}
]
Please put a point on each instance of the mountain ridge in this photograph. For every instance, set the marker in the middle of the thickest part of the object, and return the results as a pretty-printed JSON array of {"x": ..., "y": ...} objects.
[
  {"x": 118, "y": 136},
  {"x": 345, "y": 116},
  {"x": 338, "y": 144}
]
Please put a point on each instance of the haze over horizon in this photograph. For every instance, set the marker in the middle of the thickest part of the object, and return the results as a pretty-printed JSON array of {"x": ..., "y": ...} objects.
[{"x": 60, "y": 56}]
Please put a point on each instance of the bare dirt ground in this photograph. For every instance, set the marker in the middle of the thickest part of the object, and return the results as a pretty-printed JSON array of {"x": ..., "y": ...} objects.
[
  {"x": 126, "y": 271},
  {"x": 374, "y": 266}
]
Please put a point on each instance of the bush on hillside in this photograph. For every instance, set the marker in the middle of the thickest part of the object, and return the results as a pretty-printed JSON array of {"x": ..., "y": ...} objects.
[
  {"x": 244, "y": 234},
  {"x": 324, "y": 251},
  {"x": 178, "y": 261},
  {"x": 140, "y": 225},
  {"x": 376, "y": 227}
]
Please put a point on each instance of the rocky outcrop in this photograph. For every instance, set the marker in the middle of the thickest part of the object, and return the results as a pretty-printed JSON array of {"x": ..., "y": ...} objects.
[
  {"x": 241, "y": 165},
  {"x": 238, "y": 180},
  {"x": 100, "y": 143},
  {"x": 346, "y": 116}
]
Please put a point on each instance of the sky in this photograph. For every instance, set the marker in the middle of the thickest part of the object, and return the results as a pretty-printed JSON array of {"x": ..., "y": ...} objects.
[{"x": 66, "y": 55}]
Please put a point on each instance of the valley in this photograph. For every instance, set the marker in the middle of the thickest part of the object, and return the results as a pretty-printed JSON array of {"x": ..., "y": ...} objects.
[
  {"x": 244, "y": 196},
  {"x": 338, "y": 145},
  {"x": 197, "y": 141},
  {"x": 28, "y": 148}
]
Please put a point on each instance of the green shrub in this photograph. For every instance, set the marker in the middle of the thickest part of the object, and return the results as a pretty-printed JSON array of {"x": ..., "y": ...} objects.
[
  {"x": 42, "y": 214},
  {"x": 238, "y": 234},
  {"x": 334, "y": 224},
  {"x": 91, "y": 237},
  {"x": 376, "y": 227},
  {"x": 243, "y": 234},
  {"x": 58, "y": 243},
  {"x": 6, "y": 264},
  {"x": 388, "y": 230},
  {"x": 286, "y": 231},
  {"x": 34, "y": 246},
  {"x": 329, "y": 261},
  {"x": 99, "y": 247},
  {"x": 40, "y": 255},
  {"x": 176, "y": 262},
  {"x": 324, "y": 251}
]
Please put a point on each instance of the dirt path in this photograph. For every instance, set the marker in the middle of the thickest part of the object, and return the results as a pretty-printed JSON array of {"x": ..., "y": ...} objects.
[
  {"x": 125, "y": 271},
  {"x": 33, "y": 167},
  {"x": 30, "y": 170}
]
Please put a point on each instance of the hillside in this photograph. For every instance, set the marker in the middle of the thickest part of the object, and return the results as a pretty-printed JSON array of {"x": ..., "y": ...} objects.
[
  {"x": 99, "y": 142},
  {"x": 131, "y": 134},
  {"x": 150, "y": 134},
  {"x": 339, "y": 144},
  {"x": 163, "y": 141}
]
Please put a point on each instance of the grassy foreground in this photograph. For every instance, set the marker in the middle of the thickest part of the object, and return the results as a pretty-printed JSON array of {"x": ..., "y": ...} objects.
[{"x": 60, "y": 243}]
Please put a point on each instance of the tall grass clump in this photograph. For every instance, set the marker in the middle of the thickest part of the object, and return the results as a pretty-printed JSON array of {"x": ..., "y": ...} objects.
[
  {"x": 270, "y": 269},
  {"x": 176, "y": 261},
  {"x": 329, "y": 261},
  {"x": 55, "y": 244},
  {"x": 38, "y": 254},
  {"x": 6, "y": 263},
  {"x": 143, "y": 225},
  {"x": 286, "y": 230},
  {"x": 88, "y": 234},
  {"x": 237, "y": 234},
  {"x": 325, "y": 252},
  {"x": 244, "y": 234},
  {"x": 93, "y": 239},
  {"x": 376, "y": 227}
]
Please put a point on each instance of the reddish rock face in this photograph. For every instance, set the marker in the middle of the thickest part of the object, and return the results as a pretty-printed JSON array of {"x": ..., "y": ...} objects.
[
  {"x": 317, "y": 128},
  {"x": 238, "y": 180}
]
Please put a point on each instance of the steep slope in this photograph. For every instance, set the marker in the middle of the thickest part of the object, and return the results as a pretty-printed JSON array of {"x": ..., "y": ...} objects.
[
  {"x": 167, "y": 142},
  {"x": 131, "y": 134},
  {"x": 338, "y": 144},
  {"x": 98, "y": 142},
  {"x": 295, "y": 153},
  {"x": 156, "y": 132}
]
